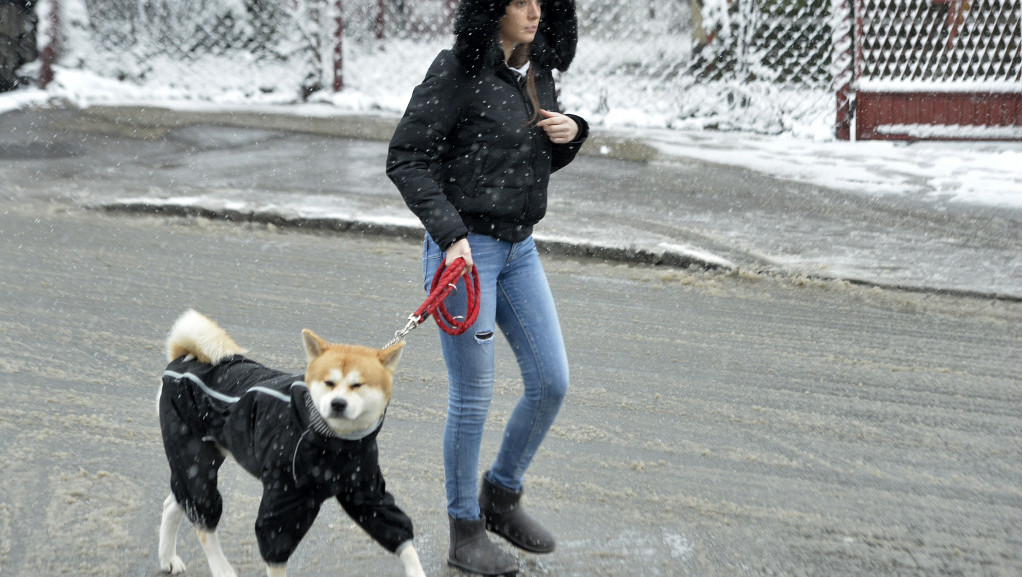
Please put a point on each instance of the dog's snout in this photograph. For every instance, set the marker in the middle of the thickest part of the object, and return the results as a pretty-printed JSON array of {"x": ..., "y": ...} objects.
[{"x": 337, "y": 406}]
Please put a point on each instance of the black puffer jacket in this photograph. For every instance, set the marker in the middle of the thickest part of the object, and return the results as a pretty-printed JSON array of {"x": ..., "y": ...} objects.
[{"x": 464, "y": 156}]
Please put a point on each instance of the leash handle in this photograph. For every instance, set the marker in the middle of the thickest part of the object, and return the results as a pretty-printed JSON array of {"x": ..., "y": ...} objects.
[{"x": 445, "y": 282}]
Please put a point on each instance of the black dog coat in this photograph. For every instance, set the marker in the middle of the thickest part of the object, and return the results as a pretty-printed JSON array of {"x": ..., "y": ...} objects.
[{"x": 267, "y": 421}]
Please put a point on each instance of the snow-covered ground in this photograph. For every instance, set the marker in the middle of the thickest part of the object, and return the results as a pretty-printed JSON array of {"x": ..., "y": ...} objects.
[{"x": 987, "y": 173}]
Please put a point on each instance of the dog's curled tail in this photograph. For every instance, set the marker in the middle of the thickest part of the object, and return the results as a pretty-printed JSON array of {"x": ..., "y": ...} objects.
[{"x": 195, "y": 334}]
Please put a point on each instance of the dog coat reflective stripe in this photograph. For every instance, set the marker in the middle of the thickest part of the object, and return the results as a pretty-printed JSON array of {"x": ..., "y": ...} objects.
[{"x": 265, "y": 419}]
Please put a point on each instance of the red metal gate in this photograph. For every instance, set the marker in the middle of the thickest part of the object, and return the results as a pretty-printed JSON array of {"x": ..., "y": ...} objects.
[{"x": 938, "y": 69}]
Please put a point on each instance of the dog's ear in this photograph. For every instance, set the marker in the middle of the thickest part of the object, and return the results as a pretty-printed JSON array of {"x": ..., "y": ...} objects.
[
  {"x": 314, "y": 346},
  {"x": 390, "y": 356}
]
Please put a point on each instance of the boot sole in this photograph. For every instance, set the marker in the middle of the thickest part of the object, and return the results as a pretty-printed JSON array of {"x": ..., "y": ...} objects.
[
  {"x": 520, "y": 545},
  {"x": 459, "y": 566}
]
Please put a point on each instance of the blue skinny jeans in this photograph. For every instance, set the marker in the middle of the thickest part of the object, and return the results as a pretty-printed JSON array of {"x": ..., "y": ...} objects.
[{"x": 516, "y": 298}]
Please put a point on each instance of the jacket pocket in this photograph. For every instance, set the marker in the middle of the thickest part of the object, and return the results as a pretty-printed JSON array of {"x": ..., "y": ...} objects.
[
  {"x": 466, "y": 173},
  {"x": 479, "y": 162}
]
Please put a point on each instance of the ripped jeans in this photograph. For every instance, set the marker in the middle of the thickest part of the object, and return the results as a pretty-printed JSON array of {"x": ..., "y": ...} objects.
[{"x": 515, "y": 297}]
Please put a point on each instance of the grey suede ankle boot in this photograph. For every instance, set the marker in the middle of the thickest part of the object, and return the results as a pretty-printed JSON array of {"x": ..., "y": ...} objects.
[
  {"x": 505, "y": 516},
  {"x": 471, "y": 550}
]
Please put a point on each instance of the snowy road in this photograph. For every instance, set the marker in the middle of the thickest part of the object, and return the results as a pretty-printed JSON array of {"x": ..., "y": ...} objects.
[{"x": 718, "y": 424}]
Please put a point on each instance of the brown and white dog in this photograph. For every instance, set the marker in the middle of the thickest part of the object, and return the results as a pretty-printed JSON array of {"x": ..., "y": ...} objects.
[{"x": 308, "y": 438}]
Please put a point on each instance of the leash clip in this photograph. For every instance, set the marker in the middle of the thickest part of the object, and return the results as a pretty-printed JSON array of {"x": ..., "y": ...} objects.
[{"x": 413, "y": 322}]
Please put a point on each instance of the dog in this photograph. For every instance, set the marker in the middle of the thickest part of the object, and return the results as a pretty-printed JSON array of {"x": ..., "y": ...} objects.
[{"x": 307, "y": 438}]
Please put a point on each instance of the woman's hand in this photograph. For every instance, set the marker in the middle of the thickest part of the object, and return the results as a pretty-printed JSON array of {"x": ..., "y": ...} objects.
[
  {"x": 560, "y": 129},
  {"x": 462, "y": 249}
]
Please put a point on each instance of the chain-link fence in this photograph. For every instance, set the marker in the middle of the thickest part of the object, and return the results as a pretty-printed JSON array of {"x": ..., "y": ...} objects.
[
  {"x": 216, "y": 49},
  {"x": 969, "y": 43},
  {"x": 760, "y": 65},
  {"x": 17, "y": 40}
]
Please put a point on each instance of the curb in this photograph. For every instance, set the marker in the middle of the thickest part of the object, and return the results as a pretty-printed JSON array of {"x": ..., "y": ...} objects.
[
  {"x": 672, "y": 257},
  {"x": 153, "y": 122},
  {"x": 675, "y": 257}
]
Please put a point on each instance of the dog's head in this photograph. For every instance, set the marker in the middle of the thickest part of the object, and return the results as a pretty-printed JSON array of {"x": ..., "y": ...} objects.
[{"x": 349, "y": 384}]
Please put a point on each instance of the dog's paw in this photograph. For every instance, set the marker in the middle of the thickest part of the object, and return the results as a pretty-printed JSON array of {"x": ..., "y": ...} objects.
[
  {"x": 410, "y": 560},
  {"x": 414, "y": 572},
  {"x": 175, "y": 566},
  {"x": 221, "y": 568}
]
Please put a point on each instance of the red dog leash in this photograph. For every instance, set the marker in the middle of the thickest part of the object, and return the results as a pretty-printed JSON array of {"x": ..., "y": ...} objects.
[{"x": 445, "y": 282}]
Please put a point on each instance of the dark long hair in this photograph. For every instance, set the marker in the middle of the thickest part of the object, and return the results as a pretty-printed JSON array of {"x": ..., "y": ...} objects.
[{"x": 519, "y": 56}]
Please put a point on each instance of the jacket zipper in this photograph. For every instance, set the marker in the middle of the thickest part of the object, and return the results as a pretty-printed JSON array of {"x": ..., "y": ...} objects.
[{"x": 520, "y": 85}]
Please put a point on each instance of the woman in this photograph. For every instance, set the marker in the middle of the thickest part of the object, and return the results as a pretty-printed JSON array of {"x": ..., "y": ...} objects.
[{"x": 472, "y": 157}]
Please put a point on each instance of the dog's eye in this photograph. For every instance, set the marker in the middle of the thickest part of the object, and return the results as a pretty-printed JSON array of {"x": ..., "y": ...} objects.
[
  {"x": 356, "y": 385},
  {"x": 330, "y": 384}
]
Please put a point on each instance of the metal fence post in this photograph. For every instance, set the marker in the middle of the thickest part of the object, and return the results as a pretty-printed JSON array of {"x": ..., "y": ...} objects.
[
  {"x": 50, "y": 51},
  {"x": 338, "y": 46},
  {"x": 381, "y": 20},
  {"x": 842, "y": 70}
]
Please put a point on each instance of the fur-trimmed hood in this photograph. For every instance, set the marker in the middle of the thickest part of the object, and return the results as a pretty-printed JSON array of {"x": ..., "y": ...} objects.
[{"x": 477, "y": 23}]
